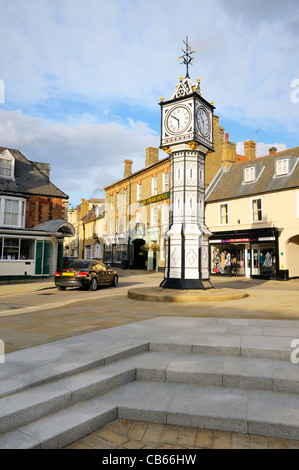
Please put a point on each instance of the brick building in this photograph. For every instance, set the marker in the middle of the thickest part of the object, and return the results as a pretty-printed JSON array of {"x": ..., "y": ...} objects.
[{"x": 32, "y": 218}]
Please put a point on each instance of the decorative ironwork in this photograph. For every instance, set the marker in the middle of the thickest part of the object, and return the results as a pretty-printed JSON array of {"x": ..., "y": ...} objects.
[{"x": 187, "y": 56}]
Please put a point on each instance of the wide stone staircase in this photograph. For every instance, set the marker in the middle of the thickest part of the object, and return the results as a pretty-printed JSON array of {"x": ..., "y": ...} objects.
[{"x": 251, "y": 390}]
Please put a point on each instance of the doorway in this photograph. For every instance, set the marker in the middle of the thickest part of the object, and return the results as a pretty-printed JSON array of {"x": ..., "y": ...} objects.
[{"x": 139, "y": 255}]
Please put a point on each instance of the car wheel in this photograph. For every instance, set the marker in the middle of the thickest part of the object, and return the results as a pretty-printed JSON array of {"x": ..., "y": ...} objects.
[
  {"x": 61, "y": 288},
  {"x": 115, "y": 281},
  {"x": 93, "y": 284}
]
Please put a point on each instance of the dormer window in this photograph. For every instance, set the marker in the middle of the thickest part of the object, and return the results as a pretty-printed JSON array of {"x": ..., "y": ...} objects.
[
  {"x": 252, "y": 173},
  {"x": 7, "y": 165},
  {"x": 282, "y": 166},
  {"x": 285, "y": 166},
  {"x": 249, "y": 174}
]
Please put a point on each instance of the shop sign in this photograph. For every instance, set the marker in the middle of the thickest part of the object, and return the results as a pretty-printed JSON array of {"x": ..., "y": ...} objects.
[
  {"x": 152, "y": 200},
  {"x": 239, "y": 240}
]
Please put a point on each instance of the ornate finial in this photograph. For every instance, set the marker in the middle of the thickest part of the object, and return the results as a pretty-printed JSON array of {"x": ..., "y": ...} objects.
[
  {"x": 162, "y": 99},
  {"x": 187, "y": 59}
]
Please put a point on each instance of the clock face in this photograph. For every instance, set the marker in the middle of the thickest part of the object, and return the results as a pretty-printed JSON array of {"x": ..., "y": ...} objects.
[
  {"x": 178, "y": 119},
  {"x": 203, "y": 121}
]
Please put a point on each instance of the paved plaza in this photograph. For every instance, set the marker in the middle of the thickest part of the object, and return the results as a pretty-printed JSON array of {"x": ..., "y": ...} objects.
[{"x": 167, "y": 361}]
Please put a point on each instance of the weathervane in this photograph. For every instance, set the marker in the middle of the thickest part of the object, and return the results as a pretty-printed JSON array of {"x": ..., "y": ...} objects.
[{"x": 187, "y": 59}]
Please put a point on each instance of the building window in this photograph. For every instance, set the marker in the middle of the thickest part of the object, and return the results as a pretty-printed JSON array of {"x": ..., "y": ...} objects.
[
  {"x": 223, "y": 214},
  {"x": 125, "y": 197},
  {"x": 88, "y": 252},
  {"x": 12, "y": 249},
  {"x": 139, "y": 191},
  {"x": 154, "y": 185},
  {"x": 12, "y": 212},
  {"x": 282, "y": 167},
  {"x": 154, "y": 215},
  {"x": 165, "y": 214},
  {"x": 7, "y": 163},
  {"x": 117, "y": 199},
  {"x": 256, "y": 210},
  {"x": 249, "y": 174},
  {"x": 165, "y": 181},
  {"x": 5, "y": 168}
]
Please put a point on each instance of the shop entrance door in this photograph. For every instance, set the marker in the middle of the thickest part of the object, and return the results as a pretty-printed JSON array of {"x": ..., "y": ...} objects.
[{"x": 247, "y": 260}]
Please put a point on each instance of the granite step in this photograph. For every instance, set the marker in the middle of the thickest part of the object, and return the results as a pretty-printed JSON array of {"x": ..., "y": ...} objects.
[
  {"x": 30, "y": 405},
  {"x": 161, "y": 382},
  {"x": 265, "y": 413}
]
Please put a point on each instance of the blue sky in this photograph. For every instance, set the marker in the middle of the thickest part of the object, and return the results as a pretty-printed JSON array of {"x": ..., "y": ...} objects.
[{"x": 83, "y": 78}]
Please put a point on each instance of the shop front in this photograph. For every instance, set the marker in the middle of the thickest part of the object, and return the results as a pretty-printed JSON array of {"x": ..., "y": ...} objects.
[{"x": 253, "y": 253}]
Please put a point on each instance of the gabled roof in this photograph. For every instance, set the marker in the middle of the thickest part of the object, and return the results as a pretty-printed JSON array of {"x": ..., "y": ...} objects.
[
  {"x": 230, "y": 184},
  {"x": 92, "y": 215},
  {"x": 29, "y": 179}
]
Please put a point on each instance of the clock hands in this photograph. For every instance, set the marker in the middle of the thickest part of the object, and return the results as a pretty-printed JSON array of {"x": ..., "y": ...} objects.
[{"x": 174, "y": 117}]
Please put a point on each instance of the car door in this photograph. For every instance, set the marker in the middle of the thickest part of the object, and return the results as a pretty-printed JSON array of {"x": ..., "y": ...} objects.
[{"x": 102, "y": 273}]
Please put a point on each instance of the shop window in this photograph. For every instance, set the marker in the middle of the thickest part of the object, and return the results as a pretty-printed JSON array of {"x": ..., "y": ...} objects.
[
  {"x": 27, "y": 248},
  {"x": 13, "y": 249},
  {"x": 256, "y": 210},
  {"x": 223, "y": 214}
]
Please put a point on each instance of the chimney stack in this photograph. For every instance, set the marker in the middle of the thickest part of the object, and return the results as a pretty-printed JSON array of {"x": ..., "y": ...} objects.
[
  {"x": 229, "y": 150},
  {"x": 152, "y": 156},
  {"x": 272, "y": 150},
  {"x": 249, "y": 148},
  {"x": 127, "y": 168}
]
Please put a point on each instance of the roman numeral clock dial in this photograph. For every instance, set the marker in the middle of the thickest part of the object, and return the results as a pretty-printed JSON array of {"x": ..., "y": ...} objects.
[
  {"x": 178, "y": 119},
  {"x": 203, "y": 122}
]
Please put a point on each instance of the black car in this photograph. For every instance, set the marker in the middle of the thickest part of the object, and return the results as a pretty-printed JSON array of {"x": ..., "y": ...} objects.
[
  {"x": 88, "y": 274},
  {"x": 67, "y": 260}
]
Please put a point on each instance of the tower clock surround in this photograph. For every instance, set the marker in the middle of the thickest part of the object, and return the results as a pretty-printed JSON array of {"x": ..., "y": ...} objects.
[{"x": 187, "y": 135}]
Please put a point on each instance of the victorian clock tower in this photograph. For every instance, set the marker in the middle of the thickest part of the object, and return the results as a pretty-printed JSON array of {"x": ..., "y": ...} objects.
[{"x": 187, "y": 135}]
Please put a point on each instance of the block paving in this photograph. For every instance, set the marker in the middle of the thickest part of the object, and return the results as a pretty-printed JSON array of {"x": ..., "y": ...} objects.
[{"x": 123, "y": 434}]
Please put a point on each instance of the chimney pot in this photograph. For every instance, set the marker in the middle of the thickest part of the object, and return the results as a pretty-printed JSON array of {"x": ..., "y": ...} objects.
[
  {"x": 272, "y": 150},
  {"x": 226, "y": 137}
]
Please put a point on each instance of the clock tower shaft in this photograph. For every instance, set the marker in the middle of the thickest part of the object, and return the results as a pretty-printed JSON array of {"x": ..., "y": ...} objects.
[{"x": 187, "y": 259}]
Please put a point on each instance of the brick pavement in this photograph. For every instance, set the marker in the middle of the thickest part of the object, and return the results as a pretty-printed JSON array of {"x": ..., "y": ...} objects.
[{"x": 122, "y": 434}]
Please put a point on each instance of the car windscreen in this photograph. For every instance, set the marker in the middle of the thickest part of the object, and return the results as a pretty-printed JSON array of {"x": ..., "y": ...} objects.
[{"x": 79, "y": 265}]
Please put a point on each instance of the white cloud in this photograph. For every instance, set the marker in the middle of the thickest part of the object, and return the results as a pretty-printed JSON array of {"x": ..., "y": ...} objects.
[
  {"x": 70, "y": 66},
  {"x": 83, "y": 158}
]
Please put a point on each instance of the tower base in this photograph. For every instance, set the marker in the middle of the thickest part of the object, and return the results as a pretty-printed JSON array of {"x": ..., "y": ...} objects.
[{"x": 186, "y": 284}]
